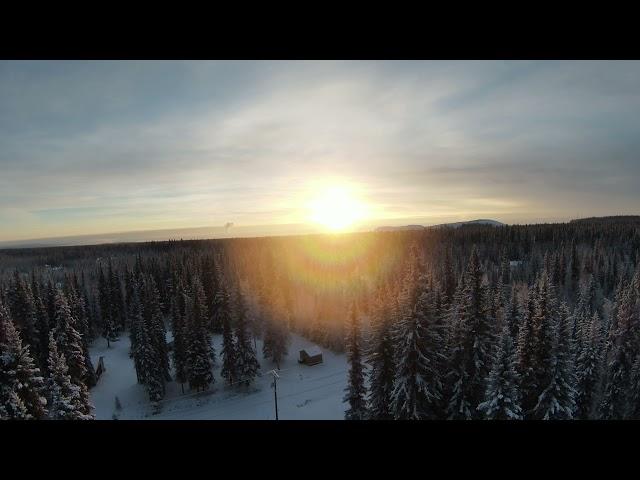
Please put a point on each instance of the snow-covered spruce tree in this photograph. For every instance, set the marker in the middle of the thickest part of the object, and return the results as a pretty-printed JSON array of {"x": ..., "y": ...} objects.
[
  {"x": 247, "y": 362},
  {"x": 220, "y": 305},
  {"x": 634, "y": 411},
  {"x": 137, "y": 335},
  {"x": 145, "y": 355},
  {"x": 620, "y": 357},
  {"x": 356, "y": 392},
  {"x": 179, "y": 342},
  {"x": 116, "y": 299},
  {"x": 417, "y": 387},
  {"x": 22, "y": 308},
  {"x": 109, "y": 328},
  {"x": 65, "y": 402},
  {"x": 588, "y": 371},
  {"x": 157, "y": 330},
  {"x": 276, "y": 335},
  {"x": 502, "y": 397},
  {"x": 557, "y": 398},
  {"x": 512, "y": 316},
  {"x": 525, "y": 354},
  {"x": 381, "y": 360},
  {"x": 21, "y": 384},
  {"x": 79, "y": 313},
  {"x": 472, "y": 340},
  {"x": 200, "y": 353},
  {"x": 229, "y": 369},
  {"x": 69, "y": 344},
  {"x": 44, "y": 326}
]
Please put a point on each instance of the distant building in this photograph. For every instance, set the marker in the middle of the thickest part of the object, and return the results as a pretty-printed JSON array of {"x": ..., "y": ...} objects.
[{"x": 310, "y": 356}]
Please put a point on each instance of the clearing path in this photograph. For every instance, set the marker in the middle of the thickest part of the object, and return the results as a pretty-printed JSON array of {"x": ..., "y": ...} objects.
[{"x": 304, "y": 392}]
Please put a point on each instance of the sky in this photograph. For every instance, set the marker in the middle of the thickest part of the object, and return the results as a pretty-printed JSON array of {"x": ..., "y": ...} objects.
[{"x": 95, "y": 147}]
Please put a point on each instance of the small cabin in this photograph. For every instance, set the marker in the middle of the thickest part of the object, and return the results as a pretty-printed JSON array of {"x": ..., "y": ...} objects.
[
  {"x": 101, "y": 368},
  {"x": 310, "y": 356}
]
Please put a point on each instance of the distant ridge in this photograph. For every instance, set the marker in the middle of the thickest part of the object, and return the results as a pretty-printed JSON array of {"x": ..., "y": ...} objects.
[
  {"x": 480, "y": 221},
  {"x": 609, "y": 219},
  {"x": 404, "y": 227}
]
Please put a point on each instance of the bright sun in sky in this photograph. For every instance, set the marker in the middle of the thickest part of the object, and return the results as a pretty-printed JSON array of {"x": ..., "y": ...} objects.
[{"x": 336, "y": 208}]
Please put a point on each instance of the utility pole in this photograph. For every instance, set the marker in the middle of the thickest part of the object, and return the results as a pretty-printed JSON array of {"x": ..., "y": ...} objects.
[{"x": 275, "y": 389}]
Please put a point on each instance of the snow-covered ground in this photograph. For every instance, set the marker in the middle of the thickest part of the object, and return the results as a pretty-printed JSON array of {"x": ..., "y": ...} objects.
[{"x": 304, "y": 393}]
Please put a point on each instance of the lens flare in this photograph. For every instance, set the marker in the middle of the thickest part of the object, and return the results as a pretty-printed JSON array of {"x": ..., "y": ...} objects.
[{"x": 337, "y": 209}]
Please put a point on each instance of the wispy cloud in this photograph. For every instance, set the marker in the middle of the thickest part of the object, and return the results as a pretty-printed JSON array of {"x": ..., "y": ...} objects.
[{"x": 110, "y": 146}]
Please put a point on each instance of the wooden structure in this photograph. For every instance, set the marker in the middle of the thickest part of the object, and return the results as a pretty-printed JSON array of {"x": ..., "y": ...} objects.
[
  {"x": 310, "y": 356},
  {"x": 101, "y": 368}
]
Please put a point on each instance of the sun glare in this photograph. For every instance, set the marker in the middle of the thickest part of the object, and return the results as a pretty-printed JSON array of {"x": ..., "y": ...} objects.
[{"x": 337, "y": 209}]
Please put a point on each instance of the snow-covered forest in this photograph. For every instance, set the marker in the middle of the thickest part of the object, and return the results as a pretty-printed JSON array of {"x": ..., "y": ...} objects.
[{"x": 477, "y": 322}]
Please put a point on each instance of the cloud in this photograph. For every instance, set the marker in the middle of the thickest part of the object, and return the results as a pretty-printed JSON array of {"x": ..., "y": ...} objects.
[{"x": 110, "y": 146}]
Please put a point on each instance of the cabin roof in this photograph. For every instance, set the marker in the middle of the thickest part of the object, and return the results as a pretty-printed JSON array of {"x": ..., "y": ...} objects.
[{"x": 313, "y": 351}]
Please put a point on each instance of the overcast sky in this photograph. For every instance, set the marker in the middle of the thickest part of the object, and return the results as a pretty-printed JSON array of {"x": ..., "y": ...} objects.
[{"x": 98, "y": 147}]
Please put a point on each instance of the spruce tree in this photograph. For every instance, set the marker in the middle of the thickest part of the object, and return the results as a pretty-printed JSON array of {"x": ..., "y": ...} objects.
[
  {"x": 179, "y": 343},
  {"x": 247, "y": 362},
  {"x": 21, "y": 384},
  {"x": 23, "y": 311},
  {"x": 276, "y": 336},
  {"x": 109, "y": 328},
  {"x": 502, "y": 397},
  {"x": 557, "y": 398},
  {"x": 525, "y": 355},
  {"x": 417, "y": 388},
  {"x": 199, "y": 350},
  {"x": 620, "y": 357},
  {"x": 356, "y": 392},
  {"x": 65, "y": 402},
  {"x": 229, "y": 369},
  {"x": 472, "y": 343},
  {"x": 70, "y": 345},
  {"x": 588, "y": 371},
  {"x": 156, "y": 327},
  {"x": 381, "y": 361}
]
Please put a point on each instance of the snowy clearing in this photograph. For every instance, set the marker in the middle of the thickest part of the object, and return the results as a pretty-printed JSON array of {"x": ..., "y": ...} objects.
[{"x": 304, "y": 392}]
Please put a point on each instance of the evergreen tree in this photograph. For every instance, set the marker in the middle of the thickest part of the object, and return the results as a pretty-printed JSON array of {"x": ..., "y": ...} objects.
[
  {"x": 471, "y": 351},
  {"x": 65, "y": 397},
  {"x": 156, "y": 328},
  {"x": 109, "y": 328},
  {"x": 276, "y": 336},
  {"x": 620, "y": 358},
  {"x": 69, "y": 343},
  {"x": 417, "y": 387},
  {"x": 179, "y": 342},
  {"x": 199, "y": 350},
  {"x": 525, "y": 355},
  {"x": 557, "y": 399},
  {"x": 355, "y": 392},
  {"x": 247, "y": 362},
  {"x": 502, "y": 397},
  {"x": 381, "y": 361},
  {"x": 588, "y": 372},
  {"x": 229, "y": 369},
  {"x": 23, "y": 311},
  {"x": 21, "y": 384}
]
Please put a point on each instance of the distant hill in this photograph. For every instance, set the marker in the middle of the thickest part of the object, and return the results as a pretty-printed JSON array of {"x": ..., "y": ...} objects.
[
  {"x": 609, "y": 219},
  {"x": 404, "y": 227},
  {"x": 481, "y": 221}
]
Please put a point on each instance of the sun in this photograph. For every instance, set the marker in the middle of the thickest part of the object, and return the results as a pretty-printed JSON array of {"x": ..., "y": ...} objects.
[{"x": 336, "y": 208}]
